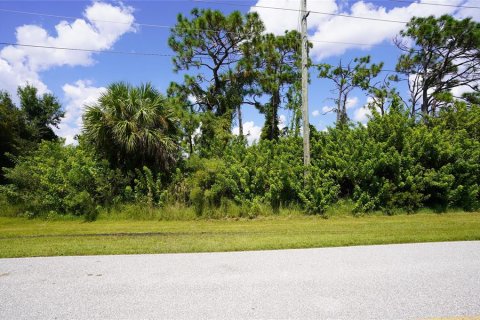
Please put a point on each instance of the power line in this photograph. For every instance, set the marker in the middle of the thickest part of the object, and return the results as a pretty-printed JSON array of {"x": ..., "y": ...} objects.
[
  {"x": 435, "y": 4},
  {"x": 350, "y": 43},
  {"x": 214, "y": 2},
  {"x": 432, "y": 4},
  {"x": 88, "y": 50},
  {"x": 295, "y": 10},
  {"x": 124, "y": 52},
  {"x": 74, "y": 18},
  {"x": 340, "y": 14},
  {"x": 135, "y": 53},
  {"x": 165, "y": 26},
  {"x": 150, "y": 25},
  {"x": 115, "y": 52},
  {"x": 223, "y": 3}
]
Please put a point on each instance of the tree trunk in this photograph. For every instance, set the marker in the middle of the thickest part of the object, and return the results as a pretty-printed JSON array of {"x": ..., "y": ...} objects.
[
  {"x": 270, "y": 129},
  {"x": 339, "y": 105},
  {"x": 240, "y": 122},
  {"x": 275, "y": 104},
  {"x": 425, "y": 101},
  {"x": 190, "y": 143}
]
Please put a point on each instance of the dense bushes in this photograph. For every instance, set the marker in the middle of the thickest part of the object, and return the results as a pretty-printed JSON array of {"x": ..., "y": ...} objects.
[
  {"x": 147, "y": 151},
  {"x": 269, "y": 173},
  {"x": 62, "y": 179},
  {"x": 392, "y": 163},
  {"x": 395, "y": 162}
]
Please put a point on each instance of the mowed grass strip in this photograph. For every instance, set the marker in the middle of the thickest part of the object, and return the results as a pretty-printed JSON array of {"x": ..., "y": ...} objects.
[{"x": 26, "y": 238}]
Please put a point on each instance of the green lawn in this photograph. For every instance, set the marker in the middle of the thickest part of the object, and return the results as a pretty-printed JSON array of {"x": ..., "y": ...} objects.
[{"x": 21, "y": 237}]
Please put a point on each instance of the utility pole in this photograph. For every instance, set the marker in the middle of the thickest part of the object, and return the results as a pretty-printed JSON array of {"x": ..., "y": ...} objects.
[{"x": 306, "y": 124}]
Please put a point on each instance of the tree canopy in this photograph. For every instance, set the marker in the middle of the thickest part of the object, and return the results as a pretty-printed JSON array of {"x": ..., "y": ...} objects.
[
  {"x": 440, "y": 54},
  {"x": 133, "y": 127}
]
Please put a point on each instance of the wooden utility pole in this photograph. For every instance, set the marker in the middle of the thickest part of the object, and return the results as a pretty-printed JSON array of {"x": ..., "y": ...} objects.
[{"x": 306, "y": 124}]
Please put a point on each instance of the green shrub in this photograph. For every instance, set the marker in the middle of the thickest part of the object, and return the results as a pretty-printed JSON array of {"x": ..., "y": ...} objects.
[{"x": 61, "y": 179}]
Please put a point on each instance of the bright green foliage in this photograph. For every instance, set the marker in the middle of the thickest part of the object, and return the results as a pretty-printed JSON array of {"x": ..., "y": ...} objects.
[
  {"x": 445, "y": 55},
  {"x": 133, "y": 127},
  {"x": 61, "y": 179},
  {"x": 178, "y": 151},
  {"x": 148, "y": 188},
  {"x": 319, "y": 192},
  {"x": 397, "y": 163},
  {"x": 269, "y": 173}
]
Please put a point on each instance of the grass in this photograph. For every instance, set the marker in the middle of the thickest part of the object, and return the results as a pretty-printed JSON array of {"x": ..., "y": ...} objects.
[{"x": 20, "y": 237}]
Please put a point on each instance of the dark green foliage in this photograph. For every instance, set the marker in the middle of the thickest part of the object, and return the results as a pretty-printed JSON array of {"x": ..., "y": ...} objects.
[
  {"x": 11, "y": 129},
  {"x": 213, "y": 43},
  {"x": 147, "y": 152},
  {"x": 270, "y": 173},
  {"x": 63, "y": 180},
  {"x": 274, "y": 68},
  {"x": 41, "y": 113},
  {"x": 133, "y": 127},
  {"x": 398, "y": 163},
  {"x": 23, "y": 127}
]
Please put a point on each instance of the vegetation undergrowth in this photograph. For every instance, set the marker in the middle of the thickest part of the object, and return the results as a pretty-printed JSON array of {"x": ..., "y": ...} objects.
[{"x": 147, "y": 155}]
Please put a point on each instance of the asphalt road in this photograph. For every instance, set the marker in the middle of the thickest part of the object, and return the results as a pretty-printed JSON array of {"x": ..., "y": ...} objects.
[{"x": 408, "y": 281}]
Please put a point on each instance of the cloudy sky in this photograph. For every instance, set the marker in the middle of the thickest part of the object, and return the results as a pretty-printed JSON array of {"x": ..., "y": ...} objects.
[{"x": 336, "y": 28}]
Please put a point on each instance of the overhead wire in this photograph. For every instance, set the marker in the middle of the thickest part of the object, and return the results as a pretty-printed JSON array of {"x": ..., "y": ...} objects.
[
  {"x": 373, "y": 1},
  {"x": 163, "y": 26},
  {"x": 87, "y": 50},
  {"x": 295, "y": 10},
  {"x": 241, "y": 5},
  {"x": 430, "y": 4},
  {"x": 150, "y": 25},
  {"x": 213, "y": 30}
]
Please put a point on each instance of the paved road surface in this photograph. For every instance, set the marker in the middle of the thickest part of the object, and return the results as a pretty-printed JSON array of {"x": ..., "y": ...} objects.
[{"x": 408, "y": 281}]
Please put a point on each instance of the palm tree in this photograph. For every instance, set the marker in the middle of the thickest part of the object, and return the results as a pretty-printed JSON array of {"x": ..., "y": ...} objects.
[{"x": 132, "y": 127}]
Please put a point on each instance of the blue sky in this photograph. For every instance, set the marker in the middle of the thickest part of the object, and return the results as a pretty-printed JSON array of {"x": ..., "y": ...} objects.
[{"x": 77, "y": 78}]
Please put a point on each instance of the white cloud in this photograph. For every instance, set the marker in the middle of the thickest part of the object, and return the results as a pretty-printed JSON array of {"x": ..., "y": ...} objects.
[
  {"x": 192, "y": 99},
  {"x": 14, "y": 74},
  {"x": 352, "y": 102},
  {"x": 369, "y": 32},
  {"x": 362, "y": 114},
  {"x": 77, "y": 95},
  {"x": 327, "y": 109},
  {"x": 250, "y": 130},
  {"x": 277, "y": 21},
  {"x": 459, "y": 91},
  {"x": 469, "y": 13},
  {"x": 350, "y": 30},
  {"x": 315, "y": 113},
  {"x": 19, "y": 65}
]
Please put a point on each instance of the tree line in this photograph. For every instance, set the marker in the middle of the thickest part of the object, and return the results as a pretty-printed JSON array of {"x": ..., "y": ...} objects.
[{"x": 154, "y": 149}]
